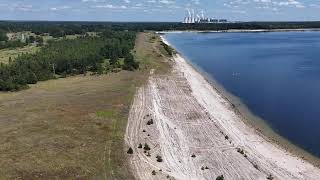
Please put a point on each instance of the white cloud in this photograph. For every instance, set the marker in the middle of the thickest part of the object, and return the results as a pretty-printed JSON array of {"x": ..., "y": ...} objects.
[
  {"x": 166, "y": 1},
  {"x": 59, "y": 8},
  {"x": 110, "y": 6}
]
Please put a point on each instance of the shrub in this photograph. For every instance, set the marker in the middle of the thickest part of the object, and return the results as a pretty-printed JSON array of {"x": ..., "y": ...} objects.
[
  {"x": 159, "y": 158},
  {"x": 140, "y": 146},
  {"x": 220, "y": 177},
  {"x": 240, "y": 151},
  {"x": 130, "y": 151},
  {"x": 193, "y": 155},
  {"x": 154, "y": 172},
  {"x": 150, "y": 122},
  {"x": 270, "y": 177},
  {"x": 146, "y": 147}
]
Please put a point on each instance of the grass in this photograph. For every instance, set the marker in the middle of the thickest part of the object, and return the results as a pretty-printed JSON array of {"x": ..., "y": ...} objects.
[
  {"x": 106, "y": 114},
  {"x": 5, "y": 54},
  {"x": 151, "y": 53},
  {"x": 73, "y": 128}
]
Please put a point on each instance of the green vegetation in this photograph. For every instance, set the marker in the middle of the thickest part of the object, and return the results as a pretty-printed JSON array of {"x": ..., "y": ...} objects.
[
  {"x": 220, "y": 177},
  {"x": 226, "y": 137},
  {"x": 146, "y": 147},
  {"x": 159, "y": 158},
  {"x": 70, "y": 57},
  {"x": 130, "y": 151},
  {"x": 150, "y": 122},
  {"x": 170, "y": 51},
  {"x": 61, "y": 29},
  {"x": 3, "y": 36},
  {"x": 74, "y": 127},
  {"x": 270, "y": 177},
  {"x": 241, "y": 151},
  {"x": 106, "y": 114},
  {"x": 12, "y": 44},
  {"x": 7, "y": 54}
]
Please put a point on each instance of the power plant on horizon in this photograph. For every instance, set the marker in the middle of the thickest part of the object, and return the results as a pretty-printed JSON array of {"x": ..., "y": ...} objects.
[{"x": 192, "y": 18}]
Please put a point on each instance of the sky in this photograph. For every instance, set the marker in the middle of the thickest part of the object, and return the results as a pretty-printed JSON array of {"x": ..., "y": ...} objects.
[{"x": 159, "y": 10}]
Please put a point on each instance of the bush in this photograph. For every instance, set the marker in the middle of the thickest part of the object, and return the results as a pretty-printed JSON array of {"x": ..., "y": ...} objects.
[
  {"x": 270, "y": 177},
  {"x": 159, "y": 158},
  {"x": 130, "y": 151},
  {"x": 146, "y": 147},
  {"x": 240, "y": 151},
  {"x": 150, "y": 122},
  {"x": 220, "y": 177}
]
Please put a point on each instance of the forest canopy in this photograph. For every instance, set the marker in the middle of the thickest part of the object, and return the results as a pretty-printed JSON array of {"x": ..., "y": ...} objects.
[{"x": 64, "y": 57}]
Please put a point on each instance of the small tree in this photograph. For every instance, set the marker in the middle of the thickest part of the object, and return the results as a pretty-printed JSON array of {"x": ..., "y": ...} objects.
[
  {"x": 140, "y": 146},
  {"x": 146, "y": 147},
  {"x": 130, "y": 151},
  {"x": 220, "y": 177},
  {"x": 150, "y": 122},
  {"x": 100, "y": 69},
  {"x": 226, "y": 137},
  {"x": 270, "y": 177},
  {"x": 31, "y": 78},
  {"x": 154, "y": 172},
  {"x": 159, "y": 158}
]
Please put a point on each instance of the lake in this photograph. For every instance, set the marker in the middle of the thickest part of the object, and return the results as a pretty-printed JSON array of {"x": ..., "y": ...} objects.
[{"x": 275, "y": 74}]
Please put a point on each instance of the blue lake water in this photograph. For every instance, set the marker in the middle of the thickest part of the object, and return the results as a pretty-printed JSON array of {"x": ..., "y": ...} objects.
[{"x": 276, "y": 75}]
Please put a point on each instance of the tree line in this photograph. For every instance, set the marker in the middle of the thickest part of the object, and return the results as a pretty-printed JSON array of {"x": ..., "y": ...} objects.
[
  {"x": 112, "y": 49},
  {"x": 61, "y": 29}
]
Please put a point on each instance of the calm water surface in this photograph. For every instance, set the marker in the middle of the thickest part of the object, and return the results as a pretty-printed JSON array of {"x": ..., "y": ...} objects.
[{"x": 276, "y": 75}]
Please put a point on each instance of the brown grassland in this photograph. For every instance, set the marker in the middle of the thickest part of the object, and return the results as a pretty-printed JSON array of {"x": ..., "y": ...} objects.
[
  {"x": 73, "y": 128},
  {"x": 5, "y": 54}
]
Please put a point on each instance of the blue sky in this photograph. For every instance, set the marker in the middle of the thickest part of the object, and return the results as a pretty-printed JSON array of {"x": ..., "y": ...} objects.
[{"x": 158, "y": 10}]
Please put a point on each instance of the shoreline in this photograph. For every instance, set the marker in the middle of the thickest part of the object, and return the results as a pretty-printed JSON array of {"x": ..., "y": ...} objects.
[
  {"x": 241, "y": 31},
  {"x": 249, "y": 118},
  {"x": 253, "y": 122}
]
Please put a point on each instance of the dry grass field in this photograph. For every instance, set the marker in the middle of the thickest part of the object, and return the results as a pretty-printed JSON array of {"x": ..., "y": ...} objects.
[
  {"x": 72, "y": 128},
  {"x": 5, "y": 54}
]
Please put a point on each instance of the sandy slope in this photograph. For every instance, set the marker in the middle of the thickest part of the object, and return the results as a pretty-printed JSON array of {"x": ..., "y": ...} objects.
[{"x": 191, "y": 117}]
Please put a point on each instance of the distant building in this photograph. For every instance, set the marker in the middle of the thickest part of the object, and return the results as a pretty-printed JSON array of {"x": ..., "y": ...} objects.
[{"x": 194, "y": 18}]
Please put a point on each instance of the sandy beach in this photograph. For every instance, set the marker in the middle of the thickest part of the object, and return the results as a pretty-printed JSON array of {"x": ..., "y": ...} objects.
[
  {"x": 243, "y": 30},
  {"x": 199, "y": 135}
]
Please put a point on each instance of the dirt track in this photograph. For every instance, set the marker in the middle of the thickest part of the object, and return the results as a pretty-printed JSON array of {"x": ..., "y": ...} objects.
[{"x": 191, "y": 118}]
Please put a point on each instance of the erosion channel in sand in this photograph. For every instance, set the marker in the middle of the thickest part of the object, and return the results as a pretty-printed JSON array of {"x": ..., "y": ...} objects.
[{"x": 196, "y": 134}]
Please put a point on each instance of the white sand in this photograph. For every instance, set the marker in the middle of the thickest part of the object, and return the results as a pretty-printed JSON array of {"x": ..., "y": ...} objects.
[
  {"x": 191, "y": 117},
  {"x": 243, "y": 30}
]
